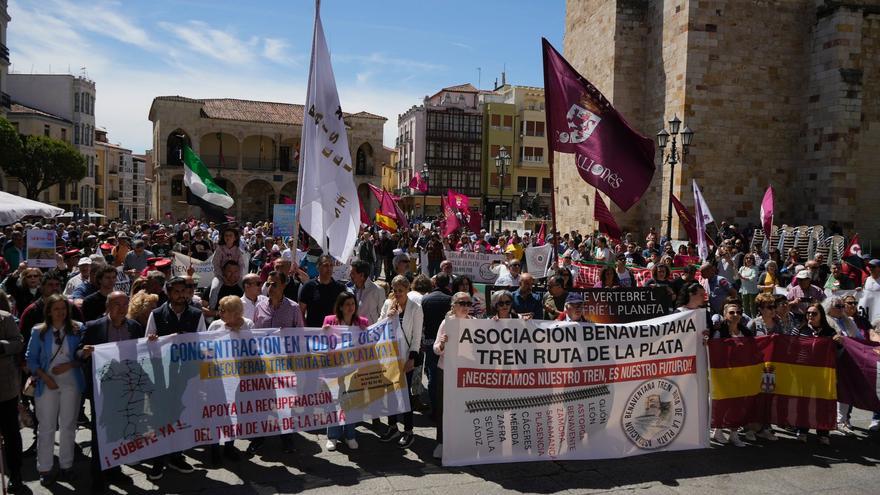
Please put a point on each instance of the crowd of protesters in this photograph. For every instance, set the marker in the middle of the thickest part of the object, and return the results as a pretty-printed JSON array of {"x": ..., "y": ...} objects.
[{"x": 115, "y": 282}]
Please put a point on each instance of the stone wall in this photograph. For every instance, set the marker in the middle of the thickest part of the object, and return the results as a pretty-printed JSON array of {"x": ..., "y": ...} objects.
[{"x": 781, "y": 92}]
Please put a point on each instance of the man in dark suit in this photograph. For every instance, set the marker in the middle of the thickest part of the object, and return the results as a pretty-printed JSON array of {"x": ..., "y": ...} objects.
[
  {"x": 113, "y": 327},
  {"x": 435, "y": 306}
]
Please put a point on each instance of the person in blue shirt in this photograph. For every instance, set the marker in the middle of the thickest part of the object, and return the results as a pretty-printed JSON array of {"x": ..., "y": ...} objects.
[{"x": 526, "y": 302}]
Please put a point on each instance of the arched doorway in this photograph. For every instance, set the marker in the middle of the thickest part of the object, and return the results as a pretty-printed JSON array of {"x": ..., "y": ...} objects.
[
  {"x": 258, "y": 153},
  {"x": 174, "y": 144},
  {"x": 288, "y": 191},
  {"x": 288, "y": 155},
  {"x": 364, "y": 160},
  {"x": 256, "y": 201}
]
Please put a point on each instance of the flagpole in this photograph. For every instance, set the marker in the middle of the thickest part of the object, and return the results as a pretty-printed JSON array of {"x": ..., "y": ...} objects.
[
  {"x": 299, "y": 167},
  {"x": 550, "y": 159}
]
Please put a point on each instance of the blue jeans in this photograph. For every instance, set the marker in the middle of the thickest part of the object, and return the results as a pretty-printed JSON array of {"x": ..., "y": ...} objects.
[{"x": 336, "y": 432}]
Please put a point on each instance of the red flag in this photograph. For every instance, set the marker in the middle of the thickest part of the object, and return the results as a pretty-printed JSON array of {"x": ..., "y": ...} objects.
[
  {"x": 686, "y": 219},
  {"x": 542, "y": 233},
  {"x": 607, "y": 225},
  {"x": 853, "y": 265},
  {"x": 418, "y": 183},
  {"x": 287, "y": 200},
  {"x": 451, "y": 222},
  {"x": 365, "y": 219},
  {"x": 457, "y": 200},
  {"x": 854, "y": 248},
  {"x": 474, "y": 220},
  {"x": 377, "y": 192},
  {"x": 609, "y": 154},
  {"x": 767, "y": 212},
  {"x": 401, "y": 218}
]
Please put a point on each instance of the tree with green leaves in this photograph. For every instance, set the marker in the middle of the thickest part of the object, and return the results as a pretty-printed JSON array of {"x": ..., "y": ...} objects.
[{"x": 38, "y": 162}]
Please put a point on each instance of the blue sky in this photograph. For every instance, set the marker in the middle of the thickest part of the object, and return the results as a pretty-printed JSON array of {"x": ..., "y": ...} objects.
[{"x": 387, "y": 55}]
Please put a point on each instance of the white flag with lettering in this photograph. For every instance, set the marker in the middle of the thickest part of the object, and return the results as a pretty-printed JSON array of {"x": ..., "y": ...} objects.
[
  {"x": 538, "y": 259},
  {"x": 702, "y": 217},
  {"x": 328, "y": 201}
]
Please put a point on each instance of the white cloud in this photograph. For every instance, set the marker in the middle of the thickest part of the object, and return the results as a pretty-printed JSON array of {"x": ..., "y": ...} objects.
[
  {"x": 200, "y": 38},
  {"x": 276, "y": 50},
  {"x": 101, "y": 20},
  {"x": 378, "y": 58}
]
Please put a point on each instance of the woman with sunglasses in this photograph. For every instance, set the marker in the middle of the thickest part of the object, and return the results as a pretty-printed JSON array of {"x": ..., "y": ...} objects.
[
  {"x": 461, "y": 308},
  {"x": 731, "y": 327},
  {"x": 51, "y": 358},
  {"x": 463, "y": 283},
  {"x": 787, "y": 325},
  {"x": 767, "y": 321},
  {"x": 345, "y": 314},
  {"x": 852, "y": 310},
  {"x": 845, "y": 326},
  {"x": 502, "y": 305},
  {"x": 400, "y": 305},
  {"x": 816, "y": 325}
]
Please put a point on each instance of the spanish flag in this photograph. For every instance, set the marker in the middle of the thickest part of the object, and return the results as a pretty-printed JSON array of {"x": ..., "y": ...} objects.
[
  {"x": 779, "y": 379},
  {"x": 386, "y": 222}
]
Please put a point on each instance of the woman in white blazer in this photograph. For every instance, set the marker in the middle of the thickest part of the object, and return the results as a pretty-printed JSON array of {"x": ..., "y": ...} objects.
[{"x": 399, "y": 305}]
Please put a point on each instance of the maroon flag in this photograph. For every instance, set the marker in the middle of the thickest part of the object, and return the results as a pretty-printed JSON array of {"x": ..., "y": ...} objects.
[
  {"x": 609, "y": 154},
  {"x": 401, "y": 218},
  {"x": 474, "y": 220},
  {"x": 451, "y": 221},
  {"x": 418, "y": 183},
  {"x": 542, "y": 233},
  {"x": 457, "y": 200},
  {"x": 857, "y": 374},
  {"x": 686, "y": 219},
  {"x": 602, "y": 214},
  {"x": 365, "y": 219},
  {"x": 286, "y": 200}
]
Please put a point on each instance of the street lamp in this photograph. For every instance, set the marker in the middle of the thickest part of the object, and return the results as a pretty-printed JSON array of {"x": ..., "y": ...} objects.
[
  {"x": 502, "y": 161},
  {"x": 672, "y": 158},
  {"x": 425, "y": 178}
]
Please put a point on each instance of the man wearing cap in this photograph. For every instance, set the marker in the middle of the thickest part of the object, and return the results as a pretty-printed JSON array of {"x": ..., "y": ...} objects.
[
  {"x": 574, "y": 308},
  {"x": 803, "y": 294},
  {"x": 872, "y": 283},
  {"x": 84, "y": 267},
  {"x": 136, "y": 259}
]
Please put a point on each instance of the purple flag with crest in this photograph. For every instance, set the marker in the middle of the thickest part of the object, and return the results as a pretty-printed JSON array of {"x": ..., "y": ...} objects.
[{"x": 609, "y": 154}]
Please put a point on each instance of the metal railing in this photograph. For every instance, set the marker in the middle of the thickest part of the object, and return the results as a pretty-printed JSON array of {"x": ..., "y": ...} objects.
[
  {"x": 213, "y": 162},
  {"x": 4, "y": 53},
  {"x": 5, "y": 100},
  {"x": 257, "y": 163}
]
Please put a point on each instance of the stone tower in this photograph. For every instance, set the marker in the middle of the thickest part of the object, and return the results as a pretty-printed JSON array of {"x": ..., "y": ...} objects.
[{"x": 781, "y": 92}]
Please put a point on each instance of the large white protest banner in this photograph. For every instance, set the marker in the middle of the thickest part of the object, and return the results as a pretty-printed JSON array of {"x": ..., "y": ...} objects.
[
  {"x": 184, "y": 390},
  {"x": 540, "y": 390},
  {"x": 477, "y": 266}
]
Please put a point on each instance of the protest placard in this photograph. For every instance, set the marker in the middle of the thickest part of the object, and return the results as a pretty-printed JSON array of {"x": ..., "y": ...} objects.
[
  {"x": 283, "y": 219},
  {"x": 538, "y": 390},
  {"x": 184, "y": 390},
  {"x": 41, "y": 248},
  {"x": 476, "y": 266}
]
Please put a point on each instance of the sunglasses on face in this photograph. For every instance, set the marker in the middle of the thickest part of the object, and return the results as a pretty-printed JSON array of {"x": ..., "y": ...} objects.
[
  {"x": 735, "y": 312},
  {"x": 464, "y": 303}
]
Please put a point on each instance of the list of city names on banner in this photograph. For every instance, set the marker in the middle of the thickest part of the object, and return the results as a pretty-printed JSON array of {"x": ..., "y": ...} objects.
[
  {"x": 519, "y": 390},
  {"x": 153, "y": 398}
]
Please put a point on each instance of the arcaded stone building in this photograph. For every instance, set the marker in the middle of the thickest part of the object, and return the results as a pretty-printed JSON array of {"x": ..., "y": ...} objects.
[
  {"x": 781, "y": 92},
  {"x": 252, "y": 150}
]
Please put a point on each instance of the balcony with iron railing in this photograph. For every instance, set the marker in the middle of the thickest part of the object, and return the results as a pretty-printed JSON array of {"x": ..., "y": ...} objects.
[
  {"x": 5, "y": 100},
  {"x": 257, "y": 163},
  {"x": 4, "y": 53},
  {"x": 113, "y": 170},
  {"x": 214, "y": 162}
]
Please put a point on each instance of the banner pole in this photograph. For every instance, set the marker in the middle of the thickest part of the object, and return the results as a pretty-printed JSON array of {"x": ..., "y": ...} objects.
[{"x": 550, "y": 160}]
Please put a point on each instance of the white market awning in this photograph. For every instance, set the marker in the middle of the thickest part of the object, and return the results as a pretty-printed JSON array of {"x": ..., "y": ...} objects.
[{"x": 13, "y": 208}]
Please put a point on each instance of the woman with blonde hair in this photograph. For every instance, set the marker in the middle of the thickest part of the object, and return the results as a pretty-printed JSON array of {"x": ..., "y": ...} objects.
[
  {"x": 403, "y": 307},
  {"x": 231, "y": 311},
  {"x": 461, "y": 308},
  {"x": 140, "y": 306},
  {"x": 51, "y": 358}
]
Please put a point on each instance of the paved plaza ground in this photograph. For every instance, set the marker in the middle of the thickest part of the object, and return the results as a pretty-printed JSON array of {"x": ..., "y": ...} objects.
[{"x": 851, "y": 466}]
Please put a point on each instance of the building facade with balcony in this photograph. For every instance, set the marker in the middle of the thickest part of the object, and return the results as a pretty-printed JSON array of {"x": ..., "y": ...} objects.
[
  {"x": 34, "y": 122},
  {"x": 444, "y": 135},
  {"x": 389, "y": 172},
  {"x": 70, "y": 98},
  {"x": 115, "y": 179},
  {"x": 252, "y": 150},
  {"x": 139, "y": 203},
  {"x": 514, "y": 119}
]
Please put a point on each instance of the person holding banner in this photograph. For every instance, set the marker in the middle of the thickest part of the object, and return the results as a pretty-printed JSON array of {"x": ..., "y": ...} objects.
[
  {"x": 815, "y": 325},
  {"x": 608, "y": 278},
  {"x": 400, "y": 305},
  {"x": 345, "y": 311},
  {"x": 862, "y": 323},
  {"x": 767, "y": 322},
  {"x": 574, "y": 308},
  {"x": 731, "y": 327},
  {"x": 554, "y": 298},
  {"x": 502, "y": 305},
  {"x": 461, "y": 308},
  {"x": 51, "y": 357}
]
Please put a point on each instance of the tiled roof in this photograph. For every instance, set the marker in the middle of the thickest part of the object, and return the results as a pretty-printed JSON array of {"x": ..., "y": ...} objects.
[
  {"x": 462, "y": 88},
  {"x": 254, "y": 111},
  {"x": 19, "y": 108}
]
